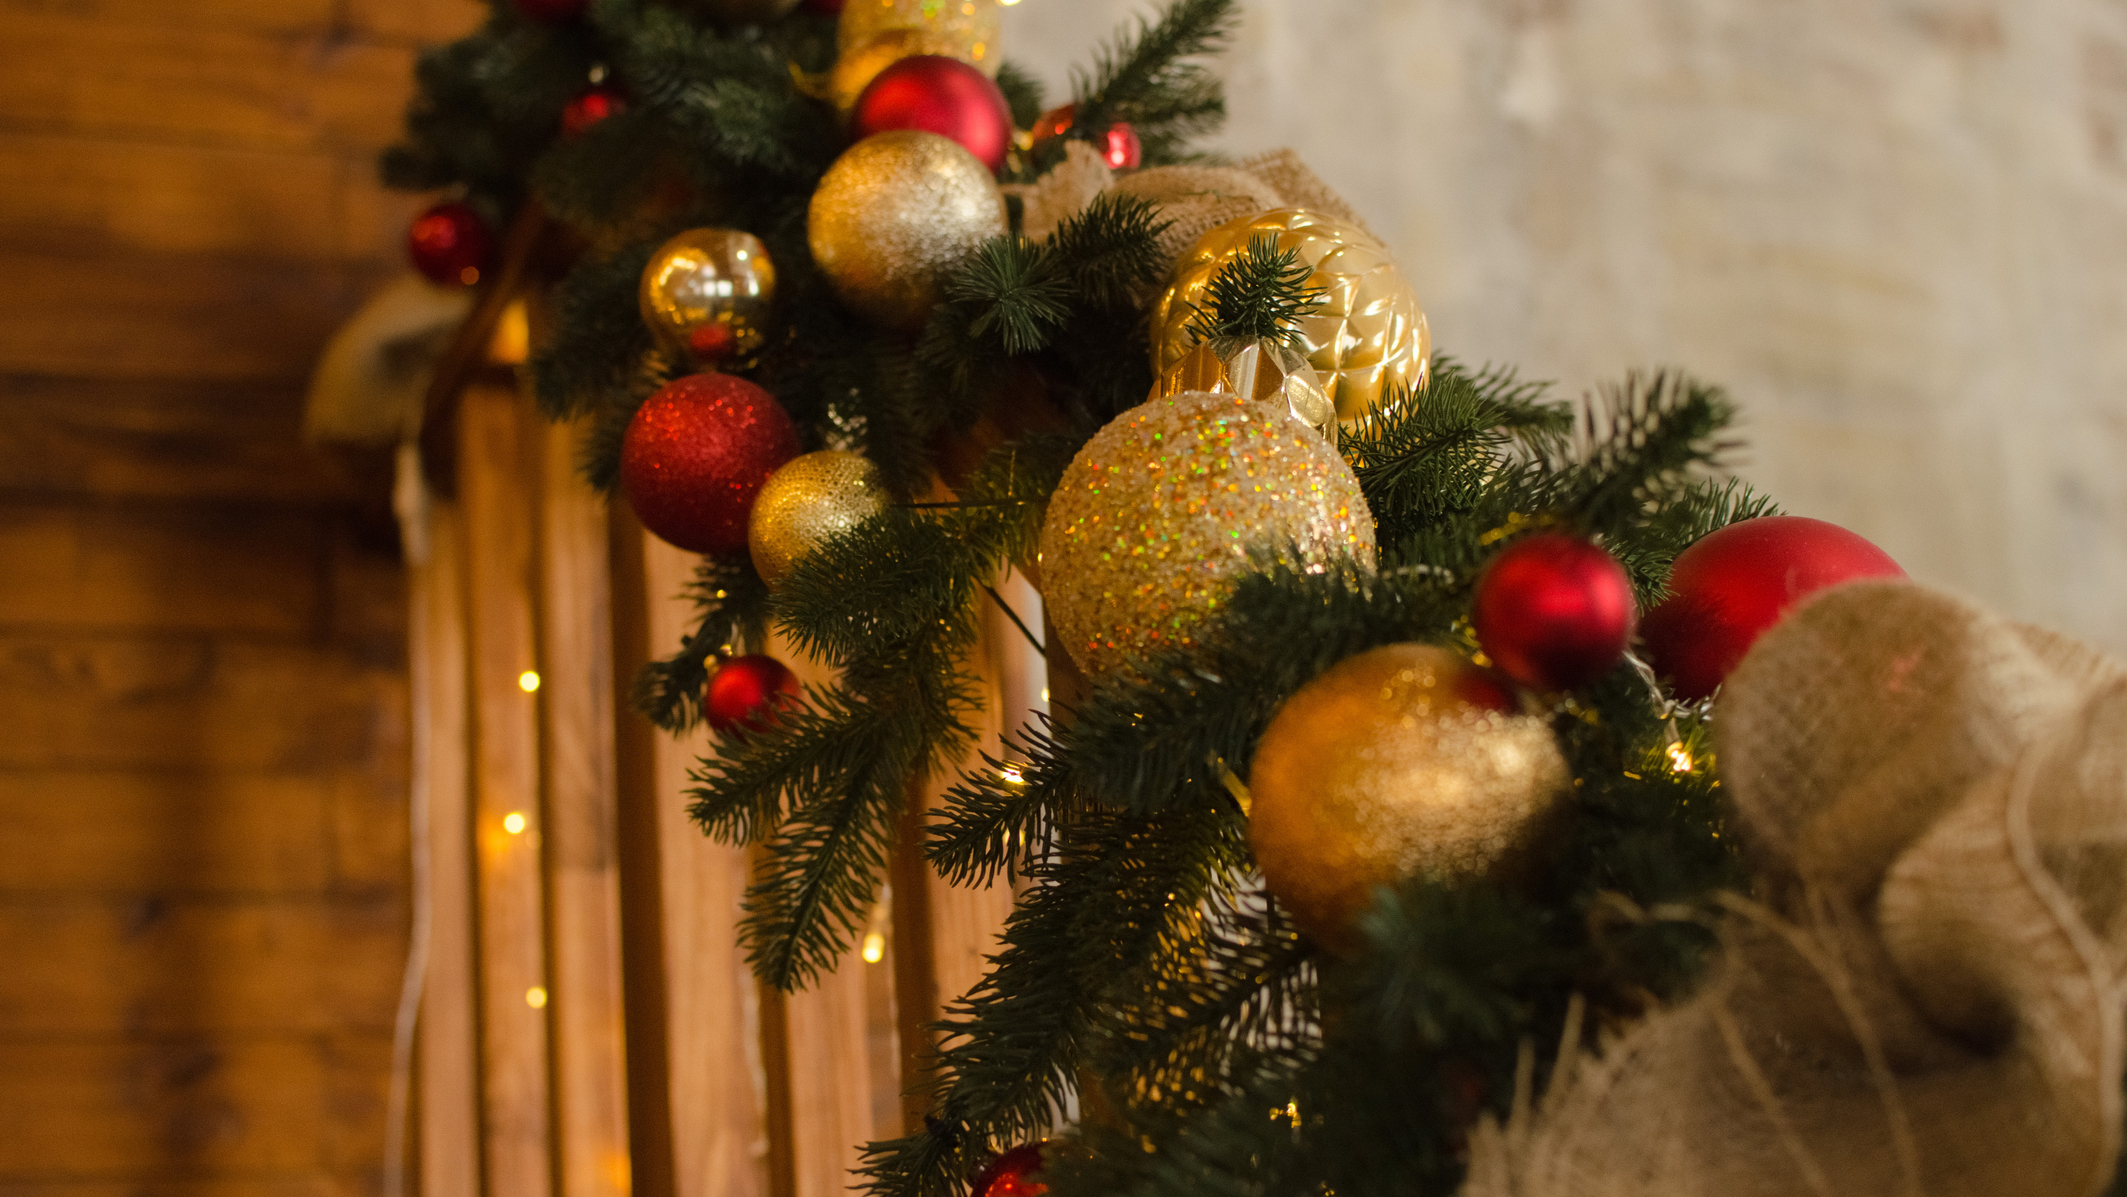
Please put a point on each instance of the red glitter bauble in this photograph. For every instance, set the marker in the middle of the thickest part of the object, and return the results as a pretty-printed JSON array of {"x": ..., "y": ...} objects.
[
  {"x": 1727, "y": 589},
  {"x": 1553, "y": 611},
  {"x": 450, "y": 243},
  {"x": 748, "y": 692},
  {"x": 939, "y": 95},
  {"x": 592, "y": 107},
  {"x": 552, "y": 10},
  {"x": 1011, "y": 1174},
  {"x": 1119, "y": 146},
  {"x": 696, "y": 454}
]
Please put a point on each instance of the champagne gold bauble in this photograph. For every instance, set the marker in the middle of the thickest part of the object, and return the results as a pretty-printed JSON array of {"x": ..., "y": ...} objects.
[
  {"x": 1404, "y": 761},
  {"x": 893, "y": 216},
  {"x": 1165, "y": 508},
  {"x": 706, "y": 294},
  {"x": 966, "y": 28},
  {"x": 1368, "y": 334},
  {"x": 856, "y": 68},
  {"x": 805, "y": 503}
]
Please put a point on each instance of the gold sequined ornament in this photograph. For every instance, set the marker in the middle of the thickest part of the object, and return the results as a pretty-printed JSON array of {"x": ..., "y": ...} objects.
[
  {"x": 893, "y": 216},
  {"x": 1404, "y": 761},
  {"x": 706, "y": 294},
  {"x": 1169, "y": 505},
  {"x": 967, "y": 28},
  {"x": 1369, "y": 333},
  {"x": 808, "y": 500}
]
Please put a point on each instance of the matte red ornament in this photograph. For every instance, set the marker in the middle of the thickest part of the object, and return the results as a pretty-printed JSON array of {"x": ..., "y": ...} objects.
[
  {"x": 1119, "y": 146},
  {"x": 450, "y": 243},
  {"x": 1553, "y": 611},
  {"x": 1727, "y": 589},
  {"x": 939, "y": 95},
  {"x": 697, "y": 453},
  {"x": 552, "y": 10},
  {"x": 592, "y": 107},
  {"x": 1011, "y": 1174},
  {"x": 748, "y": 693}
]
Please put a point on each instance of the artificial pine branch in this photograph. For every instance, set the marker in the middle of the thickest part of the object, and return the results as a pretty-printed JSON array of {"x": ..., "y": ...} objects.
[
  {"x": 732, "y": 619},
  {"x": 1148, "y": 79},
  {"x": 1259, "y": 296}
]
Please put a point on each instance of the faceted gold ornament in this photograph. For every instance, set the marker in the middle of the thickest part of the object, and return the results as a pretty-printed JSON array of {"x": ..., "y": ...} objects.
[
  {"x": 966, "y": 29},
  {"x": 706, "y": 294},
  {"x": 1264, "y": 371},
  {"x": 1169, "y": 505},
  {"x": 808, "y": 500},
  {"x": 857, "y": 67},
  {"x": 893, "y": 215},
  {"x": 1404, "y": 761},
  {"x": 1368, "y": 334}
]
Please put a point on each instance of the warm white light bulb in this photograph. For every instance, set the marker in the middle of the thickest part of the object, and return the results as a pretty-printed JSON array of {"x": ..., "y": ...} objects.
[
  {"x": 874, "y": 947},
  {"x": 513, "y": 822},
  {"x": 528, "y": 681}
]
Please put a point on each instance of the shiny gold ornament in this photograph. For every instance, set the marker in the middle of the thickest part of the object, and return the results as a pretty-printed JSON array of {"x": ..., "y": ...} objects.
[
  {"x": 706, "y": 294},
  {"x": 1166, "y": 507},
  {"x": 856, "y": 68},
  {"x": 967, "y": 28},
  {"x": 893, "y": 215},
  {"x": 804, "y": 503},
  {"x": 1369, "y": 333},
  {"x": 747, "y": 12},
  {"x": 1262, "y": 371},
  {"x": 1403, "y": 761}
]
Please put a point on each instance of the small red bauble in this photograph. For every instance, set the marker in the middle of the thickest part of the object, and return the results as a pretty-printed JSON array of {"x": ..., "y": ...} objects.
[
  {"x": 592, "y": 107},
  {"x": 1011, "y": 1174},
  {"x": 712, "y": 342},
  {"x": 1553, "y": 611},
  {"x": 1119, "y": 146},
  {"x": 450, "y": 243},
  {"x": 748, "y": 693},
  {"x": 697, "y": 453},
  {"x": 1727, "y": 589},
  {"x": 939, "y": 95},
  {"x": 552, "y": 10}
]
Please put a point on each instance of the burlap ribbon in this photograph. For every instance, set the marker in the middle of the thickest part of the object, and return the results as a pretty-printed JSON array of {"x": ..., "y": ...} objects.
[{"x": 1924, "y": 994}]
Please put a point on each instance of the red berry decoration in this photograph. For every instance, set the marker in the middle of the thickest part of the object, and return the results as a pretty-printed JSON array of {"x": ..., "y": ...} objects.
[
  {"x": 1727, "y": 589},
  {"x": 697, "y": 453},
  {"x": 748, "y": 693},
  {"x": 1119, "y": 146},
  {"x": 1011, "y": 1174},
  {"x": 1553, "y": 611},
  {"x": 939, "y": 95},
  {"x": 592, "y": 107},
  {"x": 552, "y": 11},
  {"x": 450, "y": 243}
]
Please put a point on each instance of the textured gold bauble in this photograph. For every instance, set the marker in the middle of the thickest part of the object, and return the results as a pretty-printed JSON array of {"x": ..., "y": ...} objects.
[
  {"x": 747, "y": 12},
  {"x": 858, "y": 66},
  {"x": 1369, "y": 333},
  {"x": 1159, "y": 515},
  {"x": 893, "y": 215},
  {"x": 1404, "y": 761},
  {"x": 808, "y": 500},
  {"x": 967, "y": 28},
  {"x": 703, "y": 279}
]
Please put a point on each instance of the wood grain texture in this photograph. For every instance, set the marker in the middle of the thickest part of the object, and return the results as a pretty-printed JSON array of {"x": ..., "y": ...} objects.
[
  {"x": 498, "y": 471},
  {"x": 410, "y": 22},
  {"x": 590, "y": 1048},
  {"x": 182, "y": 835}
]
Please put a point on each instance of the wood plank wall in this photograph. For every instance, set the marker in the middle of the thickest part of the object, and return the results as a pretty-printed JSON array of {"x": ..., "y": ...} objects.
[{"x": 202, "y": 633}]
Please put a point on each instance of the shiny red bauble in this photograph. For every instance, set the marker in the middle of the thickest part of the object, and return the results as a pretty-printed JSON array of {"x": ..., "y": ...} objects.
[
  {"x": 1119, "y": 145},
  {"x": 552, "y": 10},
  {"x": 592, "y": 107},
  {"x": 939, "y": 95},
  {"x": 450, "y": 243},
  {"x": 1727, "y": 589},
  {"x": 697, "y": 453},
  {"x": 1553, "y": 611},
  {"x": 1011, "y": 1174},
  {"x": 747, "y": 693}
]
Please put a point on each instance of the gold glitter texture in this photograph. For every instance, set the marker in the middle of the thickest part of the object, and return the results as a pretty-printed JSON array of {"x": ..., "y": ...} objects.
[
  {"x": 703, "y": 277},
  {"x": 1405, "y": 760},
  {"x": 1369, "y": 333},
  {"x": 807, "y": 501},
  {"x": 966, "y": 28},
  {"x": 1158, "y": 516},
  {"x": 893, "y": 215}
]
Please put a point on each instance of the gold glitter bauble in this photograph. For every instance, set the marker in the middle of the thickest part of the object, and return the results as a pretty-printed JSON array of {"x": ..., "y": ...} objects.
[
  {"x": 804, "y": 503},
  {"x": 706, "y": 294},
  {"x": 1158, "y": 516},
  {"x": 893, "y": 215},
  {"x": 968, "y": 28},
  {"x": 855, "y": 70},
  {"x": 1403, "y": 761},
  {"x": 1368, "y": 334}
]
